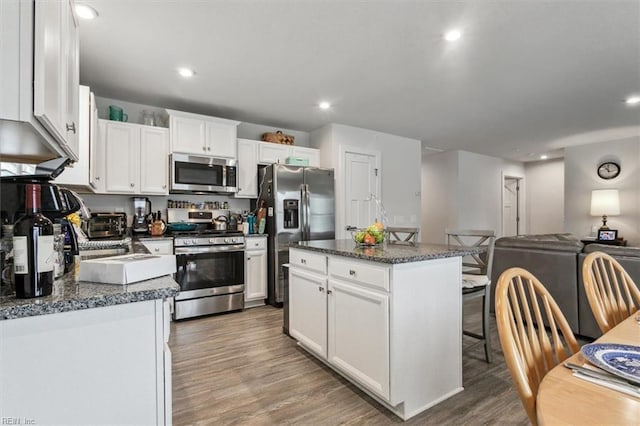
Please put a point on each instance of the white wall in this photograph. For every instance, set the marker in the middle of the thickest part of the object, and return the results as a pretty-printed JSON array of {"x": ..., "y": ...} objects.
[
  {"x": 400, "y": 170},
  {"x": 463, "y": 190},
  {"x": 545, "y": 196},
  {"x": 581, "y": 178}
]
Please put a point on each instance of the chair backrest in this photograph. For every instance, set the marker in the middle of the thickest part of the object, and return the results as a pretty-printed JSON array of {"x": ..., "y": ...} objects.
[
  {"x": 612, "y": 294},
  {"x": 530, "y": 351},
  {"x": 479, "y": 264}
]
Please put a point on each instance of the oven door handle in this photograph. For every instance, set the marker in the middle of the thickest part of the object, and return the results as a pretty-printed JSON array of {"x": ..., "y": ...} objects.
[{"x": 209, "y": 249}]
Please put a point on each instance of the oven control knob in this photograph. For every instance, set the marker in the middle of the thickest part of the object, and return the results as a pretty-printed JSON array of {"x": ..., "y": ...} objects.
[
  {"x": 212, "y": 240},
  {"x": 227, "y": 241}
]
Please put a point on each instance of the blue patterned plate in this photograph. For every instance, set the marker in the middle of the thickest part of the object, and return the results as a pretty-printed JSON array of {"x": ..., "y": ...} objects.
[{"x": 621, "y": 360}]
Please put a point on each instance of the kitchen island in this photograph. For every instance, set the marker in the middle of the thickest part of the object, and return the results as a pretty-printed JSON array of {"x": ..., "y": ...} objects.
[
  {"x": 89, "y": 353},
  {"x": 388, "y": 317}
]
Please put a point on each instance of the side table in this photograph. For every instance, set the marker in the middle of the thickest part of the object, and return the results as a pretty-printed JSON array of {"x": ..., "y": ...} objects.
[{"x": 618, "y": 242}]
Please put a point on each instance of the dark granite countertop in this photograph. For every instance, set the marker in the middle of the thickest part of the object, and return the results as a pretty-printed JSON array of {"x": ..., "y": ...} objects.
[
  {"x": 386, "y": 253},
  {"x": 69, "y": 294}
]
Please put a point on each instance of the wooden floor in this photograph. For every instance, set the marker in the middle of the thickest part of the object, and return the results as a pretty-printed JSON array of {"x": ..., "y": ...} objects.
[{"x": 240, "y": 368}]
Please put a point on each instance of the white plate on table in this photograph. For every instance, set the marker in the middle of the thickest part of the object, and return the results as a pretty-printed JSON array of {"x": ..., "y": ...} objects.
[{"x": 621, "y": 360}]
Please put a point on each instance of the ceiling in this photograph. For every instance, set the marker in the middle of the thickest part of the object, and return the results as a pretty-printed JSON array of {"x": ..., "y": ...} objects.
[{"x": 526, "y": 78}]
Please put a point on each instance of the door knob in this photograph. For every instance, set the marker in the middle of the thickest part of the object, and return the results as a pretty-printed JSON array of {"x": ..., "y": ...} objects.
[{"x": 71, "y": 127}]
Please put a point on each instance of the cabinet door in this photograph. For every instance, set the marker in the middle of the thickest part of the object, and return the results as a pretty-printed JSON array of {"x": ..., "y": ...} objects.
[
  {"x": 269, "y": 153},
  {"x": 188, "y": 135},
  {"x": 72, "y": 80},
  {"x": 97, "y": 160},
  {"x": 49, "y": 67},
  {"x": 247, "y": 169},
  {"x": 122, "y": 151},
  {"x": 312, "y": 154},
  {"x": 308, "y": 310},
  {"x": 221, "y": 139},
  {"x": 159, "y": 246},
  {"x": 359, "y": 344},
  {"x": 255, "y": 277},
  {"x": 154, "y": 160}
]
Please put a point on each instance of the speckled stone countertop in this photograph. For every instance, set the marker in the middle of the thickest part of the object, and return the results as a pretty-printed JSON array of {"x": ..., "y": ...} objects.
[
  {"x": 386, "y": 253},
  {"x": 69, "y": 294},
  {"x": 255, "y": 235}
]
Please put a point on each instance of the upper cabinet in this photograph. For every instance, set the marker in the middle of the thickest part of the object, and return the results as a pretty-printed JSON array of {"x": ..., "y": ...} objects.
[
  {"x": 135, "y": 158},
  {"x": 200, "y": 134},
  {"x": 39, "y": 85}
]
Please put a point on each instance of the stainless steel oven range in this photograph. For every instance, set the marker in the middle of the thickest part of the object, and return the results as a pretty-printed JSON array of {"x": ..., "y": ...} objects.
[{"x": 210, "y": 270}]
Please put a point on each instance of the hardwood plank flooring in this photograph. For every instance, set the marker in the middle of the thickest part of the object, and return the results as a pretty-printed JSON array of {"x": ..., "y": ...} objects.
[{"x": 240, "y": 368}]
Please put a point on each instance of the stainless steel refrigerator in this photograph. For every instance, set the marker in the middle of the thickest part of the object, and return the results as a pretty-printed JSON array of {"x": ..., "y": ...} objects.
[{"x": 300, "y": 206}]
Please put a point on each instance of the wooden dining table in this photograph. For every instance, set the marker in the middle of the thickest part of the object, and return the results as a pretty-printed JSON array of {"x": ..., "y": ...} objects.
[{"x": 566, "y": 399}]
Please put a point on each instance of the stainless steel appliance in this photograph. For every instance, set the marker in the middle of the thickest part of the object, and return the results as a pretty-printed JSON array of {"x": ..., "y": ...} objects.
[
  {"x": 210, "y": 265},
  {"x": 300, "y": 207},
  {"x": 195, "y": 173},
  {"x": 106, "y": 225},
  {"x": 141, "y": 212}
]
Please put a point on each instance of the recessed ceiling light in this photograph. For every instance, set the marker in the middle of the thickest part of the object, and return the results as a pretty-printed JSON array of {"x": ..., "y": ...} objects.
[
  {"x": 453, "y": 35},
  {"x": 324, "y": 105},
  {"x": 633, "y": 100},
  {"x": 544, "y": 156},
  {"x": 86, "y": 12},
  {"x": 186, "y": 72}
]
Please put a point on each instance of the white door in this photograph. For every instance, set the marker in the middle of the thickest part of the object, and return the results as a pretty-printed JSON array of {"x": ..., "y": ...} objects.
[
  {"x": 308, "y": 310},
  {"x": 247, "y": 169},
  {"x": 188, "y": 135},
  {"x": 255, "y": 279},
  {"x": 270, "y": 153},
  {"x": 362, "y": 188},
  {"x": 359, "y": 344},
  {"x": 154, "y": 160},
  {"x": 221, "y": 139},
  {"x": 122, "y": 152},
  {"x": 312, "y": 154},
  {"x": 511, "y": 207},
  {"x": 71, "y": 82}
]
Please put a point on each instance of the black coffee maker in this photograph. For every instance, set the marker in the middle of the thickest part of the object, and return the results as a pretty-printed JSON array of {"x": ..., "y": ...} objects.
[{"x": 56, "y": 202}]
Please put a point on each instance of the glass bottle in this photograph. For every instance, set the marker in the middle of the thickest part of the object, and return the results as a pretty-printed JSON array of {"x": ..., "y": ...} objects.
[{"x": 33, "y": 254}]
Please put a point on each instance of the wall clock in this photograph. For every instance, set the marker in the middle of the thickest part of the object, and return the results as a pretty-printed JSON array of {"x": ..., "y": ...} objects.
[{"x": 608, "y": 170}]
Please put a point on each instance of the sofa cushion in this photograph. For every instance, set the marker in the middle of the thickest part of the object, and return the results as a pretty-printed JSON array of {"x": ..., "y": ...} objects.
[
  {"x": 616, "y": 251},
  {"x": 556, "y": 242}
]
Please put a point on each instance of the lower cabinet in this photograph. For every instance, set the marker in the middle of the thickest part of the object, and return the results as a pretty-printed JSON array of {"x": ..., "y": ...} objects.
[
  {"x": 345, "y": 323},
  {"x": 108, "y": 365},
  {"x": 158, "y": 246},
  {"x": 255, "y": 272},
  {"x": 394, "y": 330}
]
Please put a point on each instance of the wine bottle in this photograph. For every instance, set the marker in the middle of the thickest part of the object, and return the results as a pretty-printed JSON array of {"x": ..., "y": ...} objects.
[{"x": 33, "y": 254}]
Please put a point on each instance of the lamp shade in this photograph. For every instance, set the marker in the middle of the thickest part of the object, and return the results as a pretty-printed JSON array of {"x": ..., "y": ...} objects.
[{"x": 605, "y": 202}]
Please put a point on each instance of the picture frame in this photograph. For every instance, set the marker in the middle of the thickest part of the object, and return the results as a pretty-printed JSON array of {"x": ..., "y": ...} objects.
[{"x": 607, "y": 234}]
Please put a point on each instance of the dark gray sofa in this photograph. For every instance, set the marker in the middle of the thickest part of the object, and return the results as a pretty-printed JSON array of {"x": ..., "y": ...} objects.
[
  {"x": 628, "y": 257},
  {"x": 552, "y": 258}
]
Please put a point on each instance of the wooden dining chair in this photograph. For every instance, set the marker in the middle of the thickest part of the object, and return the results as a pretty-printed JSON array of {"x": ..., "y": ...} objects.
[
  {"x": 530, "y": 350},
  {"x": 476, "y": 276},
  {"x": 612, "y": 294}
]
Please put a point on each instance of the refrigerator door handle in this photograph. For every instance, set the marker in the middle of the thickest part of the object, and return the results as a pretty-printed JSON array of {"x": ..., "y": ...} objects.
[{"x": 306, "y": 232}]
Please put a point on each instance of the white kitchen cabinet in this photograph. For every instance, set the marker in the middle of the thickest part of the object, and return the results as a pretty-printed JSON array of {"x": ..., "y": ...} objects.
[
  {"x": 247, "y": 169},
  {"x": 392, "y": 329},
  {"x": 359, "y": 344},
  {"x": 39, "y": 84},
  {"x": 135, "y": 158},
  {"x": 269, "y": 153},
  {"x": 203, "y": 135},
  {"x": 79, "y": 174},
  {"x": 310, "y": 153},
  {"x": 158, "y": 245},
  {"x": 99, "y": 358},
  {"x": 255, "y": 276},
  {"x": 308, "y": 309},
  {"x": 154, "y": 156}
]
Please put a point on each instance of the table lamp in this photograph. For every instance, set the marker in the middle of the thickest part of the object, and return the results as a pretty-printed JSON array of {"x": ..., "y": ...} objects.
[{"x": 605, "y": 202}]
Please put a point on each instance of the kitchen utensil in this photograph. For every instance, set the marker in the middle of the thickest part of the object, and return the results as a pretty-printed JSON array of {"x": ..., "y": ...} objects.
[
  {"x": 220, "y": 223},
  {"x": 141, "y": 214},
  {"x": 158, "y": 226},
  {"x": 181, "y": 226}
]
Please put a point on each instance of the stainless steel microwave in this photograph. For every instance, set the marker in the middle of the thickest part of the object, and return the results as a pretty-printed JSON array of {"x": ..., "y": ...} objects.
[{"x": 197, "y": 173}]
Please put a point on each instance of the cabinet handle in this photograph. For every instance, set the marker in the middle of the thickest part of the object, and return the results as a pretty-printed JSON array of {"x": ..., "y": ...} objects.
[
  {"x": 329, "y": 292},
  {"x": 132, "y": 185},
  {"x": 320, "y": 289},
  {"x": 156, "y": 249},
  {"x": 248, "y": 258},
  {"x": 204, "y": 148},
  {"x": 71, "y": 128},
  {"x": 303, "y": 261},
  {"x": 208, "y": 148},
  {"x": 352, "y": 272},
  {"x": 164, "y": 186},
  {"x": 97, "y": 177}
]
